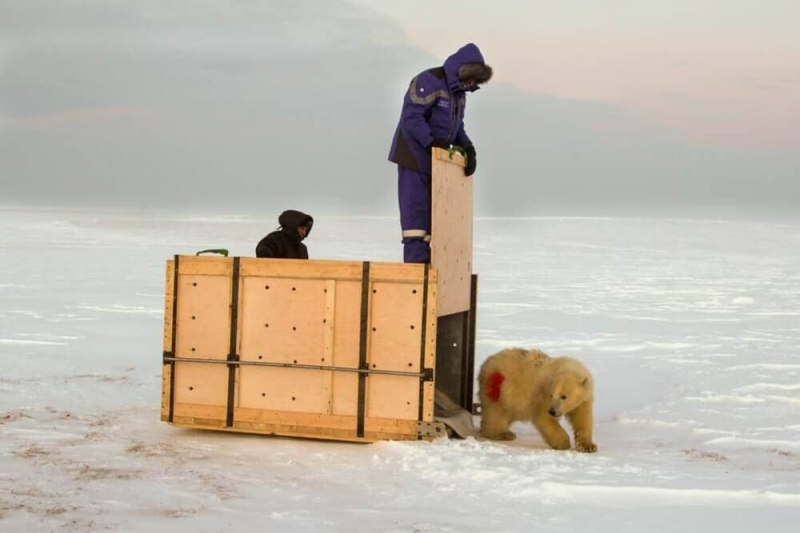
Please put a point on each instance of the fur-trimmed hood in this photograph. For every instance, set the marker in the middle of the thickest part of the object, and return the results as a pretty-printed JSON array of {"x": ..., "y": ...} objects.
[{"x": 466, "y": 63}]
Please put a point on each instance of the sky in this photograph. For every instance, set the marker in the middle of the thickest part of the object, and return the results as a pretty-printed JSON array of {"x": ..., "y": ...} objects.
[
  {"x": 635, "y": 107},
  {"x": 718, "y": 71}
]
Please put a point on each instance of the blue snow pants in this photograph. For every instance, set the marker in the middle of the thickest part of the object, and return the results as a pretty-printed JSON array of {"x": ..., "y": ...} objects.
[{"x": 414, "y": 193}]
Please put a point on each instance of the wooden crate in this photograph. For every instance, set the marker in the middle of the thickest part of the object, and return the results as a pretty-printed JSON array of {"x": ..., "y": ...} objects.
[{"x": 320, "y": 349}]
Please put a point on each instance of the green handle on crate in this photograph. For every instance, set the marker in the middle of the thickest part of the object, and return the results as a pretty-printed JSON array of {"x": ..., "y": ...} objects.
[
  {"x": 218, "y": 251},
  {"x": 454, "y": 148}
]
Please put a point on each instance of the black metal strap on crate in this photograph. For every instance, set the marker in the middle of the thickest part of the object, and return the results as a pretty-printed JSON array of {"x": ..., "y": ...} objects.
[
  {"x": 233, "y": 356},
  {"x": 175, "y": 270},
  {"x": 468, "y": 370},
  {"x": 422, "y": 345},
  {"x": 363, "y": 365}
]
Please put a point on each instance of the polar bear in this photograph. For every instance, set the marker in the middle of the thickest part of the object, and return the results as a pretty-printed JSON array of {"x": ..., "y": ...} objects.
[{"x": 528, "y": 385}]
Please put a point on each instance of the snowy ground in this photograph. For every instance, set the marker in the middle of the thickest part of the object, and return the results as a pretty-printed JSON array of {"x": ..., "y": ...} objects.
[{"x": 692, "y": 330}]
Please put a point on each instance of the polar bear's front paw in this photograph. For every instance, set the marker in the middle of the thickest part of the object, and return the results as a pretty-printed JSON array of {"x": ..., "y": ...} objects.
[
  {"x": 503, "y": 435},
  {"x": 586, "y": 447},
  {"x": 558, "y": 441},
  {"x": 507, "y": 435}
]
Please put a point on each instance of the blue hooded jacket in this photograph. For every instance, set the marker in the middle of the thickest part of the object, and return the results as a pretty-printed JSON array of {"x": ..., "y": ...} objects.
[{"x": 433, "y": 107}]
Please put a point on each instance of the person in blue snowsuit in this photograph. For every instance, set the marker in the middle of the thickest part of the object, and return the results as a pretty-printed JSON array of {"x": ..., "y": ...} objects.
[{"x": 432, "y": 116}]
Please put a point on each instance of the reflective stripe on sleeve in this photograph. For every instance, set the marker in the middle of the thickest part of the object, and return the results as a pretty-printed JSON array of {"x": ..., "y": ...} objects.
[{"x": 425, "y": 100}]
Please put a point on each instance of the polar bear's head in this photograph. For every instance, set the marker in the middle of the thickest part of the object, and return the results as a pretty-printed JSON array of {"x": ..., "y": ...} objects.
[{"x": 570, "y": 386}]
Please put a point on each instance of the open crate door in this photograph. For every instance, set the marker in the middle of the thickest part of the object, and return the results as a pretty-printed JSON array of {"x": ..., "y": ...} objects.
[
  {"x": 320, "y": 349},
  {"x": 451, "y": 231},
  {"x": 451, "y": 257}
]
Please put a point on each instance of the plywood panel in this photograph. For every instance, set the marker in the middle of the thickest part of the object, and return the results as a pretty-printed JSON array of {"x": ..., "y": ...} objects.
[
  {"x": 345, "y": 396},
  {"x": 168, "y": 304},
  {"x": 393, "y": 397},
  {"x": 191, "y": 415},
  {"x": 300, "y": 269},
  {"x": 397, "y": 272},
  {"x": 283, "y": 320},
  {"x": 314, "y": 425},
  {"x": 428, "y": 401},
  {"x": 166, "y": 372},
  {"x": 377, "y": 426},
  {"x": 267, "y": 416},
  {"x": 328, "y": 352},
  {"x": 206, "y": 266},
  {"x": 430, "y": 346},
  {"x": 431, "y": 316},
  {"x": 203, "y": 329},
  {"x": 451, "y": 234},
  {"x": 201, "y": 384},
  {"x": 322, "y": 426},
  {"x": 396, "y": 327},
  {"x": 296, "y": 424},
  {"x": 335, "y": 270},
  {"x": 282, "y": 389},
  {"x": 347, "y": 317}
]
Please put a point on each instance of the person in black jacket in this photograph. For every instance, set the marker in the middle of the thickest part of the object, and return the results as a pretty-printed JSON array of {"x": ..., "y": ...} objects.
[{"x": 286, "y": 242}]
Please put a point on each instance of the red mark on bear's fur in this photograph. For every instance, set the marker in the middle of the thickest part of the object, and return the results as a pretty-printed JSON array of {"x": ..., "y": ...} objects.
[{"x": 494, "y": 384}]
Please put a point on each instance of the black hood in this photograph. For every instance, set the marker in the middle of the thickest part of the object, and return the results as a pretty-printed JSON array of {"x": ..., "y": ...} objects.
[{"x": 290, "y": 220}]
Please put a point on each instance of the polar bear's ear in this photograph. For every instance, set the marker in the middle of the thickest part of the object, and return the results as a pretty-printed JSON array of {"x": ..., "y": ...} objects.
[{"x": 585, "y": 381}]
